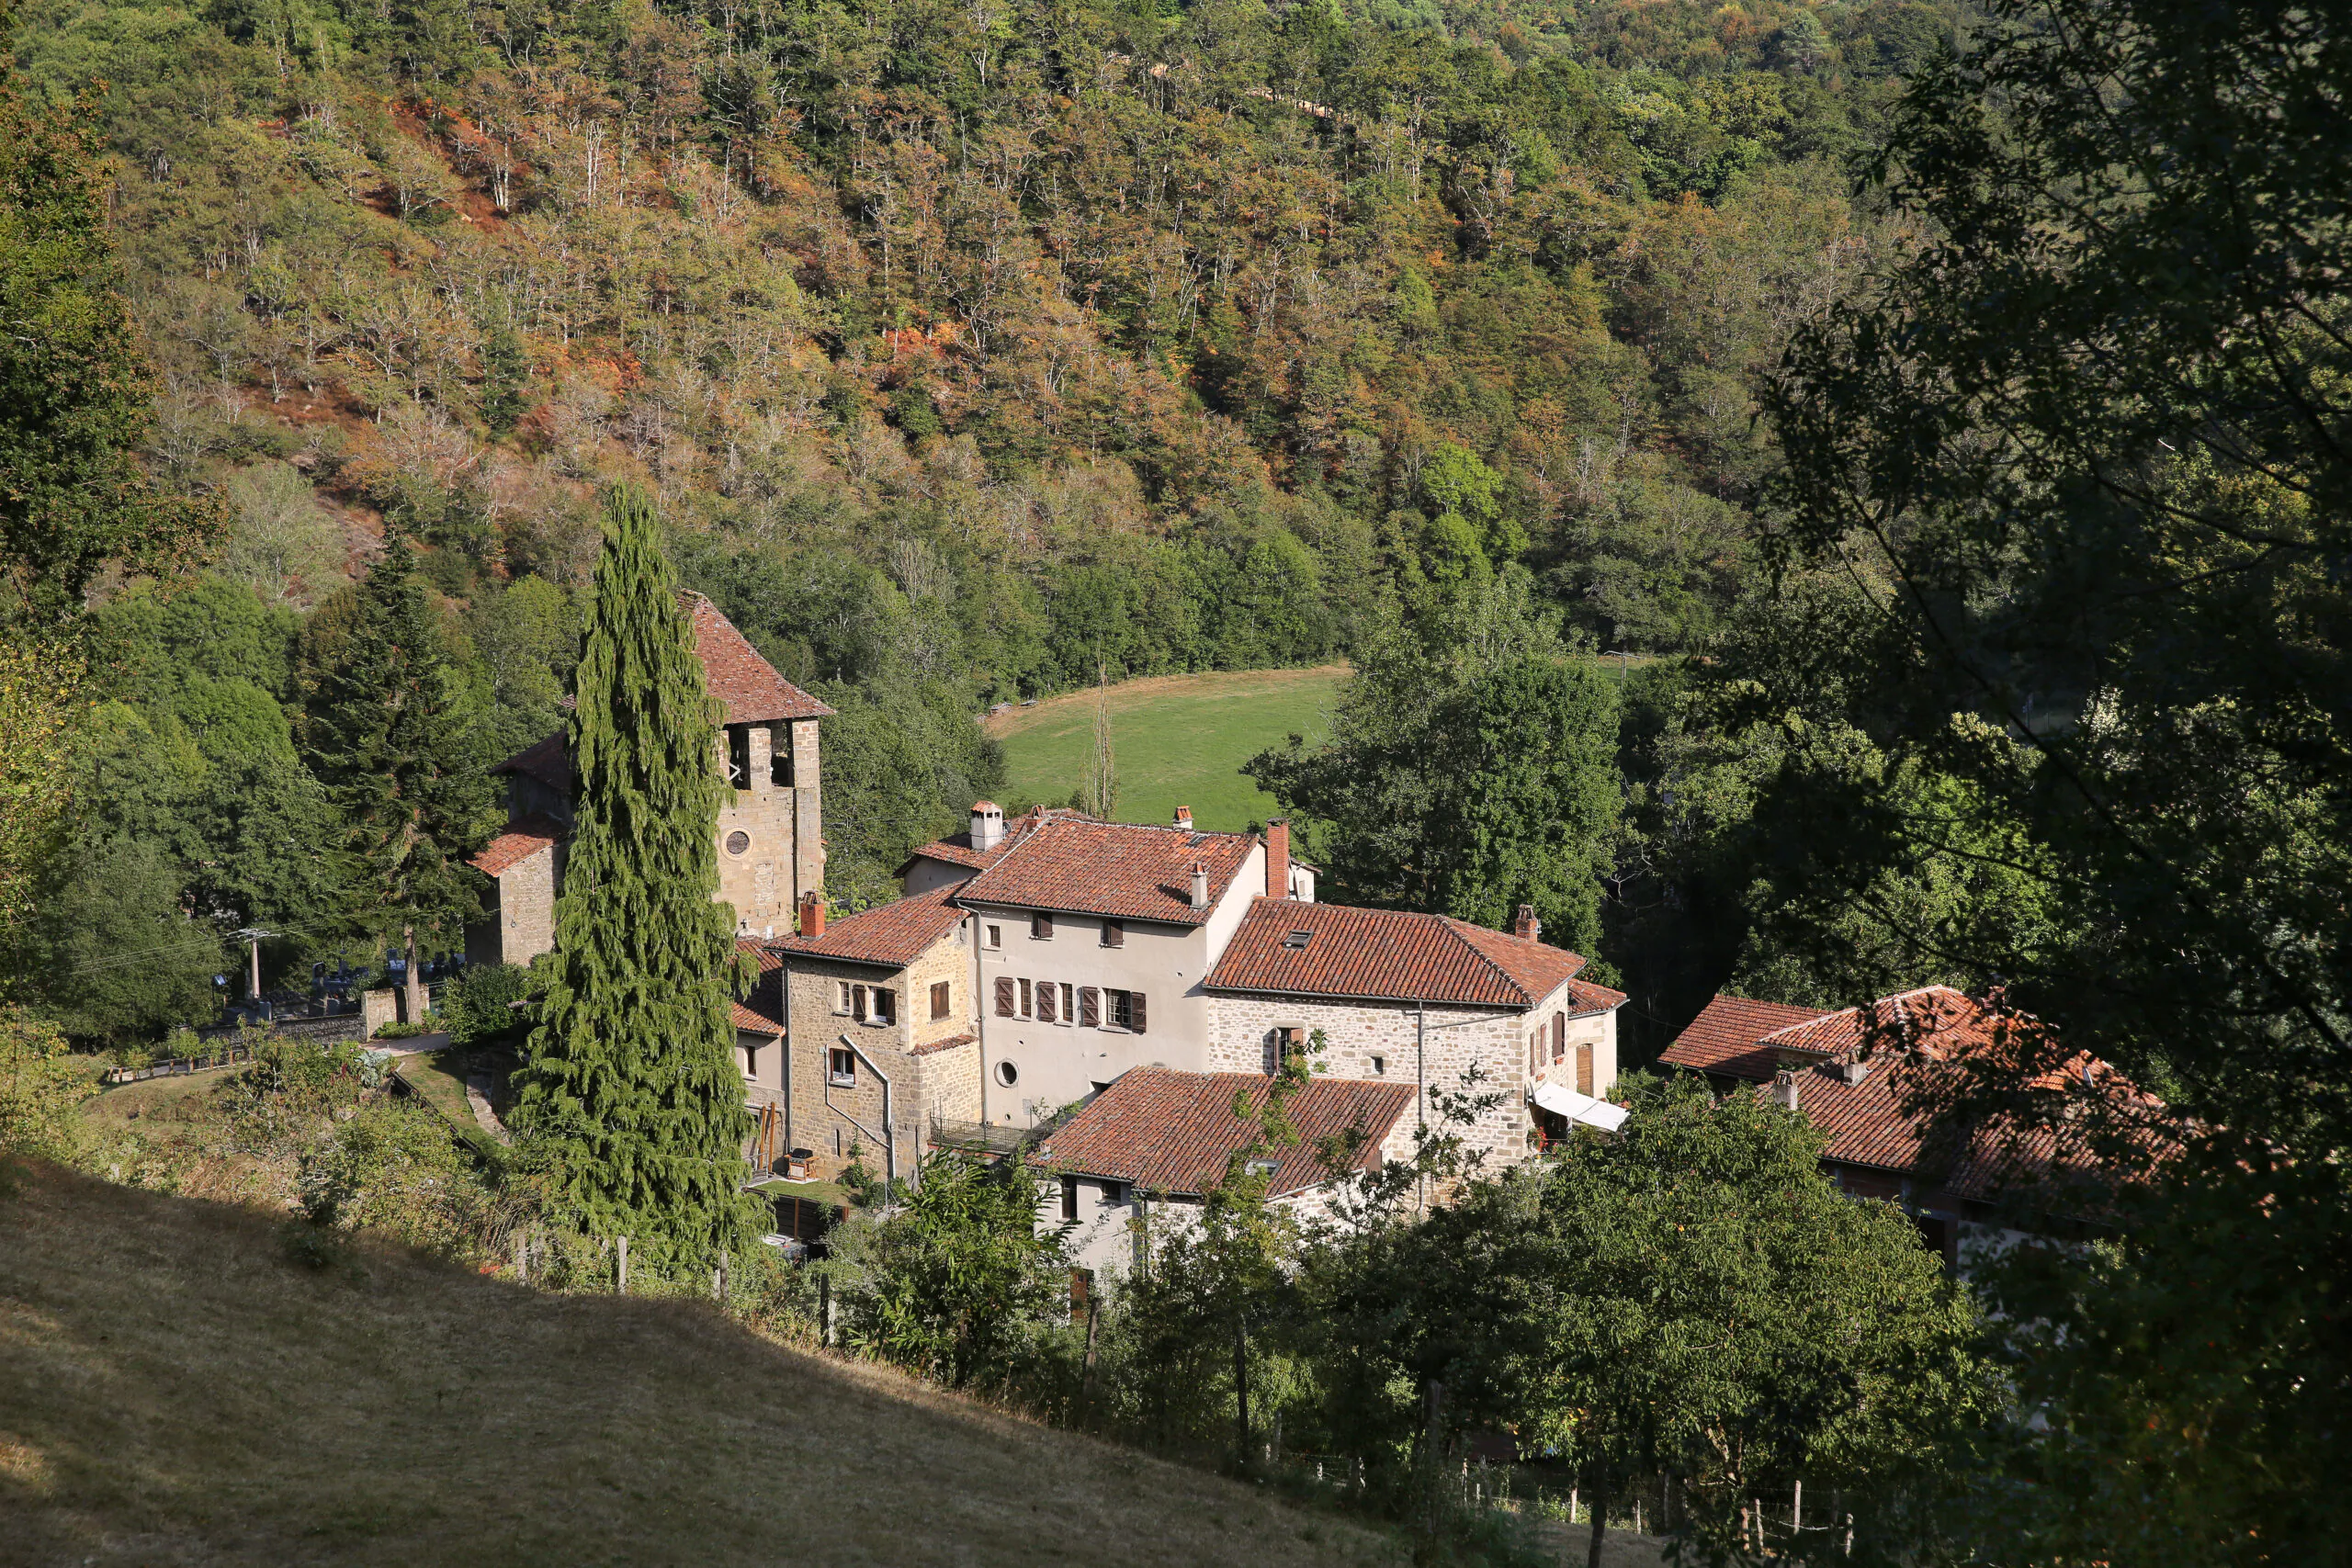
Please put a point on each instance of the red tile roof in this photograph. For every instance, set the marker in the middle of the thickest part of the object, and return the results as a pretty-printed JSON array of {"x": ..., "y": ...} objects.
[
  {"x": 891, "y": 935},
  {"x": 932, "y": 1047},
  {"x": 1116, "y": 869},
  {"x": 1908, "y": 1047},
  {"x": 525, "y": 837},
  {"x": 549, "y": 761},
  {"x": 1392, "y": 956},
  {"x": 745, "y": 683},
  {"x": 1723, "y": 1038},
  {"x": 762, "y": 1012},
  {"x": 1171, "y": 1132},
  {"x": 956, "y": 848}
]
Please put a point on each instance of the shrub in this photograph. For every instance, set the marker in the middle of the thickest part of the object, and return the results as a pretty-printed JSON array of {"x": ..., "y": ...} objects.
[{"x": 477, "y": 1005}]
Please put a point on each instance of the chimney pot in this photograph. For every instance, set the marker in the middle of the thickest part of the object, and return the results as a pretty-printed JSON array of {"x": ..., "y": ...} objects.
[
  {"x": 1784, "y": 1089},
  {"x": 1200, "y": 886},
  {"x": 1185, "y": 818},
  {"x": 812, "y": 914},
  {"x": 987, "y": 824},
  {"x": 1278, "y": 858},
  {"x": 1527, "y": 927}
]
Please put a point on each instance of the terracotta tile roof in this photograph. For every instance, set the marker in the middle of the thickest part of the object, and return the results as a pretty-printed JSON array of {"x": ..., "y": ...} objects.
[
  {"x": 1171, "y": 1132},
  {"x": 1117, "y": 868},
  {"x": 891, "y": 935},
  {"x": 932, "y": 1047},
  {"x": 956, "y": 848},
  {"x": 745, "y": 683},
  {"x": 549, "y": 761},
  {"x": 525, "y": 837},
  {"x": 1909, "y": 1048},
  {"x": 1723, "y": 1038},
  {"x": 1591, "y": 996},
  {"x": 1391, "y": 955},
  {"x": 762, "y": 1012}
]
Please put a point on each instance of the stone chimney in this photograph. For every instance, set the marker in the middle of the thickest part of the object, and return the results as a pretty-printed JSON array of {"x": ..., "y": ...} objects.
[
  {"x": 812, "y": 913},
  {"x": 1527, "y": 927},
  {"x": 1200, "y": 886},
  {"x": 1784, "y": 1089},
  {"x": 1185, "y": 818},
  {"x": 987, "y": 824},
  {"x": 1278, "y": 858}
]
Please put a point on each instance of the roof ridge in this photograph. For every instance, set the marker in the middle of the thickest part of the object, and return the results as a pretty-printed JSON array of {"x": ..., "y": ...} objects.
[{"x": 1453, "y": 927}]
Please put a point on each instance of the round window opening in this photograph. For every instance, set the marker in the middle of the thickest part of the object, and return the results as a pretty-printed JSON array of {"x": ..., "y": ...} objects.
[
  {"x": 738, "y": 841},
  {"x": 1007, "y": 1074}
]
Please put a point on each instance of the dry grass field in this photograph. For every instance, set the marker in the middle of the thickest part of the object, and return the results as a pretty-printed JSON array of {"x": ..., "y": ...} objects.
[{"x": 174, "y": 1390}]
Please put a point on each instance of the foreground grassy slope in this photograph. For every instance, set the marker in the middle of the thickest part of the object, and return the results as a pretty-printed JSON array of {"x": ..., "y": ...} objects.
[
  {"x": 173, "y": 1391},
  {"x": 1179, "y": 740}
]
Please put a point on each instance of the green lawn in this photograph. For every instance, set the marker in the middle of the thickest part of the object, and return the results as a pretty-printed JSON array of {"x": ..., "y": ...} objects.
[{"x": 1178, "y": 739}]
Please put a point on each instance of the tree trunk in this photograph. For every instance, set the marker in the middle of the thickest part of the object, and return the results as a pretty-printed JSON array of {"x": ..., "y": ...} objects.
[
  {"x": 1241, "y": 1391},
  {"x": 411, "y": 981},
  {"x": 1600, "y": 1519}
]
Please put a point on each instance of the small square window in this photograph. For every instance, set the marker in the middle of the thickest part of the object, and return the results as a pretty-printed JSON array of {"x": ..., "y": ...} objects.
[
  {"x": 1041, "y": 927},
  {"x": 1069, "y": 1003},
  {"x": 995, "y": 936},
  {"x": 1380, "y": 1067},
  {"x": 1028, "y": 1000},
  {"x": 840, "y": 1068},
  {"x": 1114, "y": 933},
  {"x": 883, "y": 1008}
]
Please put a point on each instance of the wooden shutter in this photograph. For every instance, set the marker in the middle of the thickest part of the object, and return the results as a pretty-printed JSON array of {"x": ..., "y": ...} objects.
[
  {"x": 1004, "y": 997},
  {"x": 1045, "y": 1002},
  {"x": 1560, "y": 1037},
  {"x": 1040, "y": 926},
  {"x": 1135, "y": 1009},
  {"x": 858, "y": 1005},
  {"x": 1089, "y": 1007},
  {"x": 938, "y": 999},
  {"x": 1114, "y": 934},
  {"x": 1584, "y": 1070}
]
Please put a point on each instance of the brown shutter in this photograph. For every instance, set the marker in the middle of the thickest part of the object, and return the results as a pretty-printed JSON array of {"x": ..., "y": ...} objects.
[
  {"x": 1089, "y": 1007},
  {"x": 860, "y": 1008},
  {"x": 1135, "y": 1003},
  {"x": 1584, "y": 1070},
  {"x": 1560, "y": 1037},
  {"x": 1045, "y": 1002},
  {"x": 938, "y": 999},
  {"x": 1114, "y": 934},
  {"x": 1003, "y": 997}
]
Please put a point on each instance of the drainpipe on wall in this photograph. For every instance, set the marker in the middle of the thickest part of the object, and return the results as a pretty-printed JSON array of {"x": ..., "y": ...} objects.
[
  {"x": 889, "y": 1126},
  {"x": 979, "y": 1016}
]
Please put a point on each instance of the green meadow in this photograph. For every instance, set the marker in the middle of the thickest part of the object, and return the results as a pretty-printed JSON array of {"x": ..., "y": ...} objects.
[{"x": 1178, "y": 740}]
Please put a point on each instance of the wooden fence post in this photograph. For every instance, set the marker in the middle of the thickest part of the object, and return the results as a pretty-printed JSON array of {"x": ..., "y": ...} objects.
[
  {"x": 825, "y": 1310},
  {"x": 522, "y": 1258},
  {"x": 620, "y": 1270},
  {"x": 1796, "y": 1510}
]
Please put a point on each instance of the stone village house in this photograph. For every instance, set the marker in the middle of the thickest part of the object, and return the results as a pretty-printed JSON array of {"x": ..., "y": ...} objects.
[{"x": 1849, "y": 1072}]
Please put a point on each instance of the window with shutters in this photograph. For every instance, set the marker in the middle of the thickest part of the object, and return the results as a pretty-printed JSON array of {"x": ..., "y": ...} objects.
[
  {"x": 1584, "y": 1070},
  {"x": 1046, "y": 1013},
  {"x": 939, "y": 1000},
  {"x": 1123, "y": 1009},
  {"x": 1135, "y": 1011},
  {"x": 1005, "y": 994},
  {"x": 1041, "y": 927},
  {"x": 857, "y": 1003},
  {"x": 840, "y": 1068},
  {"x": 884, "y": 1007},
  {"x": 1114, "y": 933},
  {"x": 1090, "y": 1008},
  {"x": 1026, "y": 1002}
]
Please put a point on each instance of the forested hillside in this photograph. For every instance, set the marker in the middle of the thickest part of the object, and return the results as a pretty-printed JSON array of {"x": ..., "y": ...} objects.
[{"x": 972, "y": 351}]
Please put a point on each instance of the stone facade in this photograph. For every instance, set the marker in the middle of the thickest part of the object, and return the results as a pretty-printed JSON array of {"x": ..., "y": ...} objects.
[
  {"x": 932, "y": 1063},
  {"x": 771, "y": 839},
  {"x": 1395, "y": 1042},
  {"x": 520, "y": 922}
]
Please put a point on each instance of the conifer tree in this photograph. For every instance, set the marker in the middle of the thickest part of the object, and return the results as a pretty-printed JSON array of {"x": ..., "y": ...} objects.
[
  {"x": 391, "y": 734},
  {"x": 630, "y": 1093}
]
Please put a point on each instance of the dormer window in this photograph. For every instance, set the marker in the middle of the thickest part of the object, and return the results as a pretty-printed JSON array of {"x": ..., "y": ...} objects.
[{"x": 1296, "y": 941}]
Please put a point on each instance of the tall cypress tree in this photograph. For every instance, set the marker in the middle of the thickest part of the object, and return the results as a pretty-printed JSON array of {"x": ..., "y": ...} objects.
[
  {"x": 630, "y": 1093},
  {"x": 391, "y": 735}
]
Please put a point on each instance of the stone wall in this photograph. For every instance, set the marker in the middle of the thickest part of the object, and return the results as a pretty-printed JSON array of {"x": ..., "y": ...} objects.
[
  {"x": 1382, "y": 1043},
  {"x": 933, "y": 1074},
  {"x": 764, "y": 859}
]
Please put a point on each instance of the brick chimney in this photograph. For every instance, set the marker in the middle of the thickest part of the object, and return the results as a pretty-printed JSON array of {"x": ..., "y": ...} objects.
[
  {"x": 812, "y": 913},
  {"x": 1185, "y": 818},
  {"x": 1527, "y": 927},
  {"x": 987, "y": 824},
  {"x": 1200, "y": 886},
  {"x": 1278, "y": 858}
]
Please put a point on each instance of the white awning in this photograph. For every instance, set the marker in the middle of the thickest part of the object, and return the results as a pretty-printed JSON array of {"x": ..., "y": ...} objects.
[{"x": 1581, "y": 1107}]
